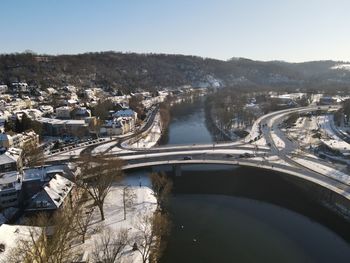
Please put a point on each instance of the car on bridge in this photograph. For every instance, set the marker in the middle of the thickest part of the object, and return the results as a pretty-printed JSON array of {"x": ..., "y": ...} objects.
[
  {"x": 187, "y": 158},
  {"x": 246, "y": 155}
]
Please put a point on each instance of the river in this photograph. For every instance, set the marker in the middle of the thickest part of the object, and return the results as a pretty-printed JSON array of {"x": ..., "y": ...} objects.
[{"x": 224, "y": 214}]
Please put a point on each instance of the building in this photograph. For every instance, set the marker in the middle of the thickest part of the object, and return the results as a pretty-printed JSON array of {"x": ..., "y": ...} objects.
[
  {"x": 19, "y": 87},
  {"x": 111, "y": 127},
  {"x": 57, "y": 127},
  {"x": 31, "y": 113},
  {"x": 63, "y": 112},
  {"x": 327, "y": 100},
  {"x": 35, "y": 178},
  {"x": 127, "y": 123},
  {"x": 80, "y": 113},
  {"x": 10, "y": 160},
  {"x": 126, "y": 113},
  {"x": 53, "y": 195},
  {"x": 19, "y": 140},
  {"x": 10, "y": 187},
  {"x": 25, "y": 139}
]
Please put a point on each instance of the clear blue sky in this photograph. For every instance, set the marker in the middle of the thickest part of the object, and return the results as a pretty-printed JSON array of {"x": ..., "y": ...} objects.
[{"x": 291, "y": 30}]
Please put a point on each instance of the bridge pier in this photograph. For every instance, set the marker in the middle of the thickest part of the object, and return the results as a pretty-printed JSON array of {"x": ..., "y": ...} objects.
[{"x": 177, "y": 169}]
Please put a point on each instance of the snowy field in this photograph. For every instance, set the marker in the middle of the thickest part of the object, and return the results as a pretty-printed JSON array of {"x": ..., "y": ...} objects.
[
  {"x": 332, "y": 140},
  {"x": 303, "y": 131},
  {"x": 144, "y": 203}
]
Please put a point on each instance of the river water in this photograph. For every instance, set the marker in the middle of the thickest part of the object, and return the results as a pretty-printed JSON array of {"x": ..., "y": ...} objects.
[{"x": 224, "y": 214}]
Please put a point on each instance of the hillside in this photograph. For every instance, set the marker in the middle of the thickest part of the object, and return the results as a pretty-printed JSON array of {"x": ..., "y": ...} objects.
[{"x": 130, "y": 71}]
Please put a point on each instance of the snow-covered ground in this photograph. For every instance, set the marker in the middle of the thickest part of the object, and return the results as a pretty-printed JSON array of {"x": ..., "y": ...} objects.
[
  {"x": 280, "y": 144},
  {"x": 331, "y": 139},
  {"x": 342, "y": 67},
  {"x": 292, "y": 96},
  {"x": 146, "y": 142},
  {"x": 303, "y": 131},
  {"x": 152, "y": 137},
  {"x": 144, "y": 203}
]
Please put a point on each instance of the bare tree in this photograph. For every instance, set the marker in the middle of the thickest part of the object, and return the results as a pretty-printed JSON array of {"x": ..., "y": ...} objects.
[
  {"x": 128, "y": 198},
  {"x": 83, "y": 221},
  {"x": 150, "y": 236},
  {"x": 161, "y": 185},
  {"x": 110, "y": 245},
  {"x": 135, "y": 103},
  {"x": 50, "y": 239},
  {"x": 97, "y": 177},
  {"x": 33, "y": 155}
]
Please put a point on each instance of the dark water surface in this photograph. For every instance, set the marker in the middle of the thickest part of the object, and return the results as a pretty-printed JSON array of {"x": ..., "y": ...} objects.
[
  {"x": 215, "y": 228},
  {"x": 188, "y": 124}
]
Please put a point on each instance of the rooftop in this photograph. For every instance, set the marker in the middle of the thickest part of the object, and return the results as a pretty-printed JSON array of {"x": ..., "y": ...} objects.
[{"x": 39, "y": 173}]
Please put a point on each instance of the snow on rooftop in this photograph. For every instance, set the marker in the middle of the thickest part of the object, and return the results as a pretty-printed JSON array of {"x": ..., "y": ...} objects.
[
  {"x": 39, "y": 173},
  {"x": 58, "y": 188}
]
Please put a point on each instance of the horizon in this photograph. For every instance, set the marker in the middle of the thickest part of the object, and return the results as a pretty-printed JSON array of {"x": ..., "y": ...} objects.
[{"x": 292, "y": 31}]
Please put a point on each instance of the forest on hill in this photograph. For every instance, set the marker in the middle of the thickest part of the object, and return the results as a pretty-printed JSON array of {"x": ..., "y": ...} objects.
[{"x": 130, "y": 71}]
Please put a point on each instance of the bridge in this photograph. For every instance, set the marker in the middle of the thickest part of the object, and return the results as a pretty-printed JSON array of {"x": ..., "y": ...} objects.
[{"x": 266, "y": 147}]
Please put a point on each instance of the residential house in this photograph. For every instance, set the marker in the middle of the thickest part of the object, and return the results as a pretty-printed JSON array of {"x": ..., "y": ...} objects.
[
  {"x": 35, "y": 178},
  {"x": 19, "y": 87},
  {"x": 126, "y": 113},
  {"x": 111, "y": 127},
  {"x": 53, "y": 195},
  {"x": 80, "y": 113},
  {"x": 127, "y": 123}
]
